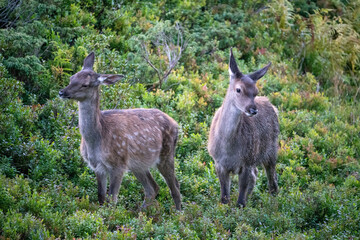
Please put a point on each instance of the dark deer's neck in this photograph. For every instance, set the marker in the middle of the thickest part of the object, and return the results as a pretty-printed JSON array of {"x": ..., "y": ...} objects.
[
  {"x": 229, "y": 119},
  {"x": 89, "y": 119}
]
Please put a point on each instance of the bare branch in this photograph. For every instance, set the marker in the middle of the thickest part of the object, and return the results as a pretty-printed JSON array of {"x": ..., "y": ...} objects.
[
  {"x": 6, "y": 11},
  {"x": 171, "y": 50},
  {"x": 145, "y": 55}
]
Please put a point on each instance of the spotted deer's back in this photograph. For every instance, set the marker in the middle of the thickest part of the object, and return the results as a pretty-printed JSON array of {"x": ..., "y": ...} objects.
[{"x": 138, "y": 138}]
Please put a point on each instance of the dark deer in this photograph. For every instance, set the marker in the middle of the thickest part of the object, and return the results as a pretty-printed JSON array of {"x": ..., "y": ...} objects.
[
  {"x": 244, "y": 134},
  {"x": 115, "y": 141}
]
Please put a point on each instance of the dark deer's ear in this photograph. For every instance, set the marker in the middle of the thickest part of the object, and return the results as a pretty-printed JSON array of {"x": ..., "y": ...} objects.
[
  {"x": 233, "y": 68},
  {"x": 259, "y": 73},
  {"x": 89, "y": 61},
  {"x": 108, "y": 79}
]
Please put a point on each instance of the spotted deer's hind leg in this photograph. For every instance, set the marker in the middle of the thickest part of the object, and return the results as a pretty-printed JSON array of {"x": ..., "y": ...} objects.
[
  {"x": 167, "y": 169},
  {"x": 150, "y": 186}
]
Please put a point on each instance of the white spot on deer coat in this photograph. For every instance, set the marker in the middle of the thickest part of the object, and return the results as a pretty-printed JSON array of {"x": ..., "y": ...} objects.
[
  {"x": 129, "y": 136},
  {"x": 152, "y": 150}
]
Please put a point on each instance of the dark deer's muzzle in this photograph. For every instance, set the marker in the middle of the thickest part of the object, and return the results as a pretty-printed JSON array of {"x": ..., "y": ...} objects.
[{"x": 253, "y": 111}]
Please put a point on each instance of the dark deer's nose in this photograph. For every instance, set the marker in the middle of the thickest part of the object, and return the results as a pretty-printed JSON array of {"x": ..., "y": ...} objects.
[
  {"x": 61, "y": 93},
  {"x": 253, "y": 111}
]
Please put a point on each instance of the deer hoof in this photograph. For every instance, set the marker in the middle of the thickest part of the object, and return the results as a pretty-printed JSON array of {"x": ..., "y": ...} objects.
[
  {"x": 225, "y": 200},
  {"x": 240, "y": 205}
]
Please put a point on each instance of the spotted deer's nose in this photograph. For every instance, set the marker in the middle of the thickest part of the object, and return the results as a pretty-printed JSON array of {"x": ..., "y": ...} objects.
[{"x": 63, "y": 94}]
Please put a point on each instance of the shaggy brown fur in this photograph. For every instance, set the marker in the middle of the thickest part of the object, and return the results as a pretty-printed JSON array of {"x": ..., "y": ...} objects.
[
  {"x": 118, "y": 140},
  {"x": 244, "y": 134}
]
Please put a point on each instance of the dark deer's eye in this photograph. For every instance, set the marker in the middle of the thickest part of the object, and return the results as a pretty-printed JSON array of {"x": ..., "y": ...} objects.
[
  {"x": 84, "y": 85},
  {"x": 238, "y": 90}
]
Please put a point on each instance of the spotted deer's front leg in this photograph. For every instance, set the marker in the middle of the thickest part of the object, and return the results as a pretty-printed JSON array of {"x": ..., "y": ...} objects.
[
  {"x": 102, "y": 181},
  {"x": 116, "y": 176}
]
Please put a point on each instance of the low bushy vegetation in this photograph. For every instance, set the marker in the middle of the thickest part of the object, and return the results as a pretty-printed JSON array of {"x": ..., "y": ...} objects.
[{"x": 47, "y": 192}]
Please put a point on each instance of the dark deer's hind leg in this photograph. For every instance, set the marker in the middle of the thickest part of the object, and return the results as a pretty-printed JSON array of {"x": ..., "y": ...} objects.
[
  {"x": 270, "y": 169},
  {"x": 254, "y": 173}
]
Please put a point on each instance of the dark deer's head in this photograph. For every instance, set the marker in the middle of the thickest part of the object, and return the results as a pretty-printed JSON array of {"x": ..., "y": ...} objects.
[
  {"x": 243, "y": 87},
  {"x": 84, "y": 84}
]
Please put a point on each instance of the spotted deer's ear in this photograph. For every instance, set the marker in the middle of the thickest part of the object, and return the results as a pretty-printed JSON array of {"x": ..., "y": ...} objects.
[
  {"x": 233, "y": 68},
  {"x": 108, "y": 79},
  {"x": 259, "y": 73},
  {"x": 89, "y": 61}
]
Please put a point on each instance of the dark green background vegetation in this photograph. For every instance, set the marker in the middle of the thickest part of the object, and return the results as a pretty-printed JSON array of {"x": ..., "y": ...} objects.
[{"x": 46, "y": 191}]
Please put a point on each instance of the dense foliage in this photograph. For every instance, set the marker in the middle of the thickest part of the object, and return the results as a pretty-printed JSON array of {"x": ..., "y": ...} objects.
[{"x": 47, "y": 192}]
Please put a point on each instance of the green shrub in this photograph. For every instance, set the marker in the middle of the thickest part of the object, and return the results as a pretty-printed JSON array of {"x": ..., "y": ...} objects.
[
  {"x": 24, "y": 41},
  {"x": 29, "y": 70},
  {"x": 17, "y": 126},
  {"x": 19, "y": 226},
  {"x": 83, "y": 224},
  {"x": 6, "y": 200}
]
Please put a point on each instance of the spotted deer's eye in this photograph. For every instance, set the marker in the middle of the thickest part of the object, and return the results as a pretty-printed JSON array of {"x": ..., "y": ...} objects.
[{"x": 238, "y": 90}]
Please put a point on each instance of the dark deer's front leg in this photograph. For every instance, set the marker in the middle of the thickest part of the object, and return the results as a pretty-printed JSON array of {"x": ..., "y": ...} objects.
[
  {"x": 224, "y": 178},
  {"x": 247, "y": 180},
  {"x": 101, "y": 180},
  {"x": 254, "y": 172}
]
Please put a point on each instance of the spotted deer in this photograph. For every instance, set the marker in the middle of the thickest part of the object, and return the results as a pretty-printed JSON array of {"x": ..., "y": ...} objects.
[
  {"x": 115, "y": 141},
  {"x": 244, "y": 134}
]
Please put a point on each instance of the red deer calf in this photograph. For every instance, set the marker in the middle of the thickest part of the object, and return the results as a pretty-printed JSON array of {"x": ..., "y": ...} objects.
[
  {"x": 115, "y": 141},
  {"x": 244, "y": 134}
]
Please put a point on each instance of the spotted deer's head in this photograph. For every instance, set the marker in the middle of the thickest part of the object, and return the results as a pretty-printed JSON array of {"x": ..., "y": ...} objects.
[{"x": 84, "y": 84}]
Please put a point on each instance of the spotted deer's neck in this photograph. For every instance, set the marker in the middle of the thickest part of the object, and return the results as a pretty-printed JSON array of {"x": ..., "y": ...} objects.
[{"x": 89, "y": 119}]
